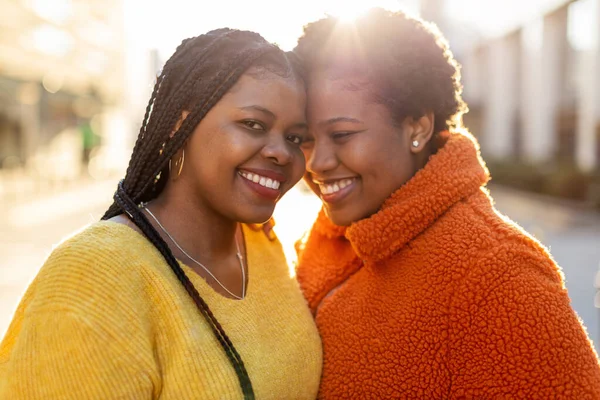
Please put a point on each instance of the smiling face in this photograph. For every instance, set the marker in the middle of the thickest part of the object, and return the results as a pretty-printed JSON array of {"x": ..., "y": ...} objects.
[
  {"x": 357, "y": 156},
  {"x": 245, "y": 153}
]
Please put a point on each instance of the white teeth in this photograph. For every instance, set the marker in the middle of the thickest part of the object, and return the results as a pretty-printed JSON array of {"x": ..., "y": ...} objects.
[
  {"x": 261, "y": 180},
  {"x": 329, "y": 188}
]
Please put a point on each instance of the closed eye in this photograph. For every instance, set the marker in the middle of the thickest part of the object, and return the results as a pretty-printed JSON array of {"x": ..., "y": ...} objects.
[{"x": 341, "y": 135}]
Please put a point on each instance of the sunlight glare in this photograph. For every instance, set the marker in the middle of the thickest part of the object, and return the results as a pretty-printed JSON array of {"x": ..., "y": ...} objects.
[
  {"x": 351, "y": 10},
  {"x": 348, "y": 11}
]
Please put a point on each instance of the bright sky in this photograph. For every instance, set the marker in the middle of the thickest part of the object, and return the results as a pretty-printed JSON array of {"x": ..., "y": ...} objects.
[{"x": 163, "y": 25}]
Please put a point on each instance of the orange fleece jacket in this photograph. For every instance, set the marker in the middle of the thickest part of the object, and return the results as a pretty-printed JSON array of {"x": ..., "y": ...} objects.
[{"x": 438, "y": 296}]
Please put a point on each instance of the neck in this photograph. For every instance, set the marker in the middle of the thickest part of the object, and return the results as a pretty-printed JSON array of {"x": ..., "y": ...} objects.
[{"x": 202, "y": 233}]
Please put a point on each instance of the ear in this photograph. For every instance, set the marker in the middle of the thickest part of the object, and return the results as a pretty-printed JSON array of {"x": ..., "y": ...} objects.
[
  {"x": 179, "y": 122},
  {"x": 419, "y": 131}
]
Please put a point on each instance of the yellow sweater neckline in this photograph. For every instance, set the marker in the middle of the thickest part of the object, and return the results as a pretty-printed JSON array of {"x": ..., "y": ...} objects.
[{"x": 197, "y": 280}]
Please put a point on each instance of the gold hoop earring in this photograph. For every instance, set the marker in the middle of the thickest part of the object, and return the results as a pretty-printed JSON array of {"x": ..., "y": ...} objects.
[{"x": 178, "y": 164}]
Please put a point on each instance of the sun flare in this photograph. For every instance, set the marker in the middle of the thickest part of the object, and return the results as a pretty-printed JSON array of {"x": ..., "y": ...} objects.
[{"x": 347, "y": 11}]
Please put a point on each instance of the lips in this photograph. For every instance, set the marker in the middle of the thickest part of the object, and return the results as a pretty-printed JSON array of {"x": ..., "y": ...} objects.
[
  {"x": 266, "y": 183},
  {"x": 335, "y": 190},
  {"x": 261, "y": 180},
  {"x": 335, "y": 186},
  {"x": 267, "y": 173}
]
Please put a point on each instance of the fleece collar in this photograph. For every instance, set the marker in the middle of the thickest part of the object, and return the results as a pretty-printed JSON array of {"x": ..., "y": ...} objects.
[{"x": 455, "y": 172}]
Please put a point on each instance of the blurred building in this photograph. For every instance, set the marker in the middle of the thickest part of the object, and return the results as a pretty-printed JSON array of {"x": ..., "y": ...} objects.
[
  {"x": 534, "y": 92},
  {"x": 62, "y": 81}
]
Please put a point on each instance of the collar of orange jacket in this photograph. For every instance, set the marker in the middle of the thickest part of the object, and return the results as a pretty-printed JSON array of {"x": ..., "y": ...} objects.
[{"x": 455, "y": 172}]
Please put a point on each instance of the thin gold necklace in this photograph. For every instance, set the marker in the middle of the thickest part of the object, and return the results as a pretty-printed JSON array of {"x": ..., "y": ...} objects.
[{"x": 239, "y": 256}]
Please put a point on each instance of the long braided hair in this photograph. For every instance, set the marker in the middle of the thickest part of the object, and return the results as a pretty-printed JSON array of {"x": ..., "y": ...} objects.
[{"x": 194, "y": 79}]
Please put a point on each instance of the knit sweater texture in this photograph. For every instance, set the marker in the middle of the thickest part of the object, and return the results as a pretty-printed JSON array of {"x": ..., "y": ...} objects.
[
  {"x": 106, "y": 318},
  {"x": 438, "y": 296}
]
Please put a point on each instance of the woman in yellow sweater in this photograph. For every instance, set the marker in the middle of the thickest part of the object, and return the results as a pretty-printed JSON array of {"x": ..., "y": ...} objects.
[{"x": 177, "y": 294}]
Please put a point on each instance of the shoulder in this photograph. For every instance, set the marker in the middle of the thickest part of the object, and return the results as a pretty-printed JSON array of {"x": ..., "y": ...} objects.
[
  {"x": 107, "y": 244},
  {"x": 475, "y": 220},
  {"x": 511, "y": 307},
  {"x": 489, "y": 251},
  {"x": 98, "y": 266},
  {"x": 513, "y": 269}
]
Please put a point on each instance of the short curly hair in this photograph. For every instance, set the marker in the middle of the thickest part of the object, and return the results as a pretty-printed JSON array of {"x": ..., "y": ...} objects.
[{"x": 405, "y": 61}]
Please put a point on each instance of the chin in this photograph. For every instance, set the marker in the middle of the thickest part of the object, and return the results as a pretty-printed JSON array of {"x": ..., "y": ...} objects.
[
  {"x": 339, "y": 217},
  {"x": 348, "y": 215},
  {"x": 256, "y": 217}
]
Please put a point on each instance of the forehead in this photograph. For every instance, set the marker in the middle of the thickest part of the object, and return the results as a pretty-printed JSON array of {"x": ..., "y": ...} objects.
[
  {"x": 266, "y": 86},
  {"x": 332, "y": 95}
]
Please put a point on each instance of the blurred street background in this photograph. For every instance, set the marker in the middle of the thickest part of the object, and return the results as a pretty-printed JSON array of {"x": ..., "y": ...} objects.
[{"x": 75, "y": 77}]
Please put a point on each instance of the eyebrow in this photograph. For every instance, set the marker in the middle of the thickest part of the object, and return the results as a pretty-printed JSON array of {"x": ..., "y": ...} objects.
[
  {"x": 259, "y": 108},
  {"x": 302, "y": 125},
  {"x": 341, "y": 119}
]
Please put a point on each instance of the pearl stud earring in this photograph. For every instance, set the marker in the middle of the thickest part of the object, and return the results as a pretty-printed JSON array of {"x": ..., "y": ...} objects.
[{"x": 415, "y": 143}]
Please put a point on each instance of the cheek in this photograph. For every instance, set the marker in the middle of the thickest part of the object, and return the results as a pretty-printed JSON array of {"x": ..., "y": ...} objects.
[
  {"x": 380, "y": 160},
  {"x": 360, "y": 156},
  {"x": 215, "y": 151}
]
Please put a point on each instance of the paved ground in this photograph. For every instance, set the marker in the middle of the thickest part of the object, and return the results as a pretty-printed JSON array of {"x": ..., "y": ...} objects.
[{"x": 30, "y": 227}]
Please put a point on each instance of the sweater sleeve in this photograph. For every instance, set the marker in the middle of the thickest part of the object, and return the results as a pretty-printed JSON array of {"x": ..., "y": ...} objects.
[
  {"x": 513, "y": 332},
  {"x": 81, "y": 331},
  {"x": 61, "y": 355}
]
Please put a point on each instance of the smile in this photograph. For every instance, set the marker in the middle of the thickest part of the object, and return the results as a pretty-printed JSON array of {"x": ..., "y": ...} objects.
[
  {"x": 261, "y": 180},
  {"x": 335, "y": 191},
  {"x": 334, "y": 187}
]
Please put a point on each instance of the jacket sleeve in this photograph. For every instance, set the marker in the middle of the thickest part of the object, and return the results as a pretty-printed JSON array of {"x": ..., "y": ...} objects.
[
  {"x": 514, "y": 334},
  {"x": 60, "y": 355}
]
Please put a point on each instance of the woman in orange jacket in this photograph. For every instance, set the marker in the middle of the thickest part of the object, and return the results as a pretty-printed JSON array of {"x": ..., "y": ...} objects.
[{"x": 419, "y": 287}]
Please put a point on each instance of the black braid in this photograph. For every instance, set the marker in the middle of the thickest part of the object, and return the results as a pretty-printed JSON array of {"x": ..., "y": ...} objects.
[
  {"x": 154, "y": 105},
  {"x": 142, "y": 222},
  {"x": 162, "y": 121},
  {"x": 245, "y": 59},
  {"x": 194, "y": 79},
  {"x": 173, "y": 101}
]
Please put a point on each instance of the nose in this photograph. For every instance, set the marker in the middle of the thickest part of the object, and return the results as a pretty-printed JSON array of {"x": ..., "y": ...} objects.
[
  {"x": 277, "y": 150},
  {"x": 321, "y": 159}
]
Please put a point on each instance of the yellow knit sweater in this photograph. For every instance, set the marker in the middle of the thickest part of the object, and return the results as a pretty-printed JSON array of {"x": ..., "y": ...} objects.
[{"x": 107, "y": 319}]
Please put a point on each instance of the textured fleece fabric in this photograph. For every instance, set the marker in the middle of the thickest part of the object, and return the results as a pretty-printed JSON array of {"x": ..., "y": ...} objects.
[{"x": 438, "y": 296}]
